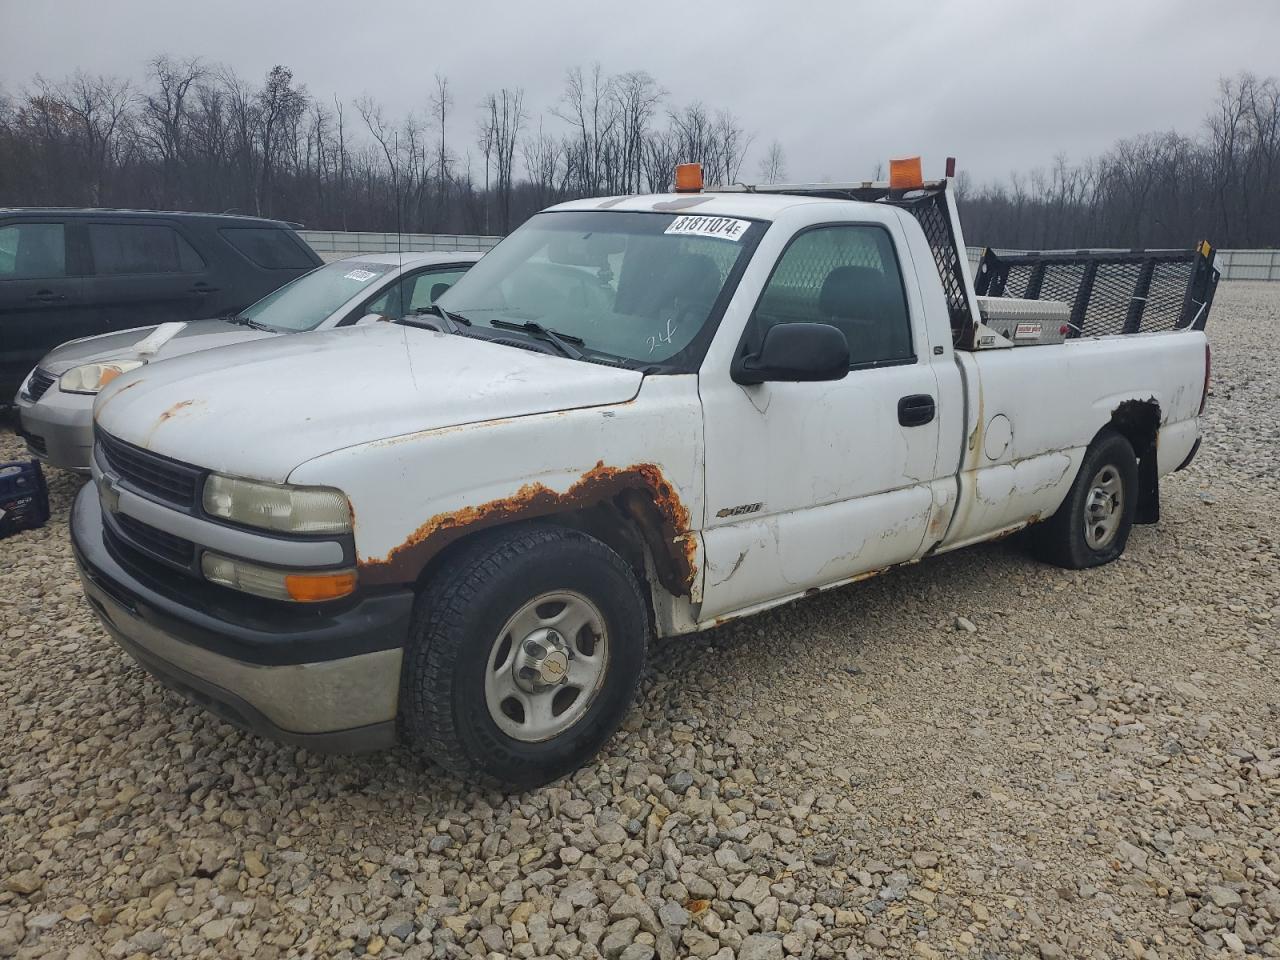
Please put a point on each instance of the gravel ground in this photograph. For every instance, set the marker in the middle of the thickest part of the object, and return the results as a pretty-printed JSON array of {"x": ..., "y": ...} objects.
[{"x": 1093, "y": 770}]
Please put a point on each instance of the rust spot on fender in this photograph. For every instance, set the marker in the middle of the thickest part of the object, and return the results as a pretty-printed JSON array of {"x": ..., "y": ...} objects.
[
  {"x": 173, "y": 411},
  {"x": 640, "y": 491},
  {"x": 111, "y": 399},
  {"x": 169, "y": 414}
]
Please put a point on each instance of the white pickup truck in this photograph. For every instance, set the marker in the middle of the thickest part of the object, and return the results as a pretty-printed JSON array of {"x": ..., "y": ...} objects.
[{"x": 638, "y": 416}]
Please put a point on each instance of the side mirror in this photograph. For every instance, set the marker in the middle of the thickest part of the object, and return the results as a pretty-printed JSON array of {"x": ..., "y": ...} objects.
[
  {"x": 371, "y": 318},
  {"x": 796, "y": 353}
]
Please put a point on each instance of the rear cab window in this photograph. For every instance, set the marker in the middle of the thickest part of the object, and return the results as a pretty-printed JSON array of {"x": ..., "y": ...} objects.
[
  {"x": 267, "y": 247},
  {"x": 32, "y": 251}
]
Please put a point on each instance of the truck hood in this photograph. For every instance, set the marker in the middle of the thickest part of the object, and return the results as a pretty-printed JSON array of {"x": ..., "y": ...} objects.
[
  {"x": 198, "y": 335},
  {"x": 261, "y": 409}
]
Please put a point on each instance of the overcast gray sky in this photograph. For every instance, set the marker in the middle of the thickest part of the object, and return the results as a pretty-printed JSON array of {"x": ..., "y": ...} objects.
[{"x": 1001, "y": 84}]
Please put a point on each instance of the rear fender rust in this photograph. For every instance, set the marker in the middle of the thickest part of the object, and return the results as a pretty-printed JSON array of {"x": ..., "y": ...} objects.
[
  {"x": 1138, "y": 421},
  {"x": 640, "y": 491}
]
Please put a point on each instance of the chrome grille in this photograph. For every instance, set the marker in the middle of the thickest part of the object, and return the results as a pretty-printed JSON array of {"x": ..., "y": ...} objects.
[
  {"x": 39, "y": 384},
  {"x": 162, "y": 478},
  {"x": 157, "y": 543}
]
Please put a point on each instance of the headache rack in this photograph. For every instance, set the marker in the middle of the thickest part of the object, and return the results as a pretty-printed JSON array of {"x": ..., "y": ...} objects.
[
  {"x": 1099, "y": 292},
  {"x": 1110, "y": 291}
]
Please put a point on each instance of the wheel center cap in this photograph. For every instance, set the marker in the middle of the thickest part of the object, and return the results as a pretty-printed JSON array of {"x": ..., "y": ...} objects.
[
  {"x": 554, "y": 667},
  {"x": 543, "y": 662}
]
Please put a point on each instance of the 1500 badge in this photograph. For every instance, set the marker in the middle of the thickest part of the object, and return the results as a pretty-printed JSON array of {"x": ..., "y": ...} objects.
[{"x": 739, "y": 511}]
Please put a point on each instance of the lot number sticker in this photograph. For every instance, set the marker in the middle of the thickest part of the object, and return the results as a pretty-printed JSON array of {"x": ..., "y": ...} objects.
[
  {"x": 360, "y": 276},
  {"x": 726, "y": 228}
]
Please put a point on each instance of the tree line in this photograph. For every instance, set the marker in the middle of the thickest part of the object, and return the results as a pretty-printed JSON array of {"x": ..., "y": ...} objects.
[
  {"x": 1165, "y": 189},
  {"x": 197, "y": 136}
]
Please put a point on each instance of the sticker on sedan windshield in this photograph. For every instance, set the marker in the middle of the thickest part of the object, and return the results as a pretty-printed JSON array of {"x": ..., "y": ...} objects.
[
  {"x": 359, "y": 276},
  {"x": 726, "y": 228}
]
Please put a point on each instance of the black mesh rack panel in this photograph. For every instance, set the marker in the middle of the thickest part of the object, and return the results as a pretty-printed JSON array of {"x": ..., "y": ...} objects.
[
  {"x": 1110, "y": 291},
  {"x": 929, "y": 207}
]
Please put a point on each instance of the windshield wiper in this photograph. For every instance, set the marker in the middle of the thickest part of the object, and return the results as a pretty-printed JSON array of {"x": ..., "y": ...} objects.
[
  {"x": 564, "y": 342},
  {"x": 454, "y": 321},
  {"x": 244, "y": 321}
]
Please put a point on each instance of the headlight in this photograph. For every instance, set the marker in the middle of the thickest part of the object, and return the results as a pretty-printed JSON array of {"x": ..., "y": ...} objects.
[
  {"x": 277, "y": 584},
  {"x": 92, "y": 377},
  {"x": 277, "y": 507}
]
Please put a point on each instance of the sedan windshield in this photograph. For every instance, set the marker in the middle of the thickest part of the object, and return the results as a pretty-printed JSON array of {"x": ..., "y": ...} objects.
[
  {"x": 640, "y": 286},
  {"x": 308, "y": 301}
]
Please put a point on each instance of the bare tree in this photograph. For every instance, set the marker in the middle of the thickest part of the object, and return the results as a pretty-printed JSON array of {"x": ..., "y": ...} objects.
[
  {"x": 97, "y": 108},
  {"x": 164, "y": 120},
  {"x": 773, "y": 165},
  {"x": 505, "y": 114},
  {"x": 441, "y": 103},
  {"x": 590, "y": 108}
]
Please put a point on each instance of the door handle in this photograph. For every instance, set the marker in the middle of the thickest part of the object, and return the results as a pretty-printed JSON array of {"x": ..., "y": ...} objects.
[
  {"x": 916, "y": 410},
  {"x": 202, "y": 288},
  {"x": 47, "y": 296}
]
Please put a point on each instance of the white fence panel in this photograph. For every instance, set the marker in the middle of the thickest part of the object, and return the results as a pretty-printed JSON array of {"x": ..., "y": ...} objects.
[{"x": 334, "y": 244}]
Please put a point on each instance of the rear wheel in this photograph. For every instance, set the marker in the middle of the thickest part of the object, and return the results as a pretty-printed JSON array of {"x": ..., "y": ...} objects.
[
  {"x": 524, "y": 657},
  {"x": 1092, "y": 525}
]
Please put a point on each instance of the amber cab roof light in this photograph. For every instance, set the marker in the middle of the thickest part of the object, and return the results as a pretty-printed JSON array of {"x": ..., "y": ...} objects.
[
  {"x": 904, "y": 174},
  {"x": 688, "y": 178}
]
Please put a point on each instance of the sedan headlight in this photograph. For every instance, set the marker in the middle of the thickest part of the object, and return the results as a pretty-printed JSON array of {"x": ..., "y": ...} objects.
[
  {"x": 92, "y": 377},
  {"x": 279, "y": 507}
]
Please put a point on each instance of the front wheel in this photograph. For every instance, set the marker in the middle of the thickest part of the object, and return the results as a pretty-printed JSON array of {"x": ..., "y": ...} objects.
[
  {"x": 1092, "y": 525},
  {"x": 524, "y": 656}
]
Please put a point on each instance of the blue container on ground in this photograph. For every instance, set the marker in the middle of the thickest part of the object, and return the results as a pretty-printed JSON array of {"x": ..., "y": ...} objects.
[{"x": 24, "y": 498}]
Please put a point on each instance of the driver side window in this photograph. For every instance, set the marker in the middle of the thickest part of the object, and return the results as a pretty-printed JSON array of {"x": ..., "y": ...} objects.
[{"x": 847, "y": 276}]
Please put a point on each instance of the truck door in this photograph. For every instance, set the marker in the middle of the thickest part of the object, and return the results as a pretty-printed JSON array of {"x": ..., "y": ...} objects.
[{"x": 808, "y": 484}]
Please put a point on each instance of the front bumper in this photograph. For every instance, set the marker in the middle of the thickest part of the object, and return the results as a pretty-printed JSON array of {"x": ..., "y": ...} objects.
[
  {"x": 328, "y": 681},
  {"x": 58, "y": 428}
]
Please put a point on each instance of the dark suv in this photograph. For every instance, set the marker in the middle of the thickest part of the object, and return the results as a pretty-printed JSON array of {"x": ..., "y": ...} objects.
[{"x": 66, "y": 274}]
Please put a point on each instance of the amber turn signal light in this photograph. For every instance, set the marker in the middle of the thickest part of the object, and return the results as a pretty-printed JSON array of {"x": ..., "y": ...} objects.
[
  {"x": 310, "y": 587},
  {"x": 688, "y": 177},
  {"x": 904, "y": 174}
]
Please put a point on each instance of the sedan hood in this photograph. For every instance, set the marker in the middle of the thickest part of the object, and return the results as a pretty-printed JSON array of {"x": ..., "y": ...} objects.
[
  {"x": 261, "y": 409},
  {"x": 198, "y": 335}
]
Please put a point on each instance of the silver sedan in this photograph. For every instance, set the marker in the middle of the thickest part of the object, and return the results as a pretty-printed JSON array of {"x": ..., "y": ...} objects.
[{"x": 55, "y": 401}]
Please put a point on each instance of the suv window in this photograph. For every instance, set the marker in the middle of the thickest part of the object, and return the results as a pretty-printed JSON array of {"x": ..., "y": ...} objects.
[
  {"x": 414, "y": 292},
  {"x": 267, "y": 247},
  {"x": 131, "y": 248},
  {"x": 32, "y": 251},
  {"x": 847, "y": 276}
]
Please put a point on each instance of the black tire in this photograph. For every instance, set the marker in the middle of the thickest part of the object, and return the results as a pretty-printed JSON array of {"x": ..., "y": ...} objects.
[
  {"x": 1061, "y": 540},
  {"x": 455, "y": 633}
]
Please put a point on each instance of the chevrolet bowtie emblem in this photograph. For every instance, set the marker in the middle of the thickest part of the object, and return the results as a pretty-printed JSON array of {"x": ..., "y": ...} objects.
[{"x": 109, "y": 492}]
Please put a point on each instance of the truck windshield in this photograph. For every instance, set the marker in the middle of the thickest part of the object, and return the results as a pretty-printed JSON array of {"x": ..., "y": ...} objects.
[
  {"x": 640, "y": 286},
  {"x": 311, "y": 299}
]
